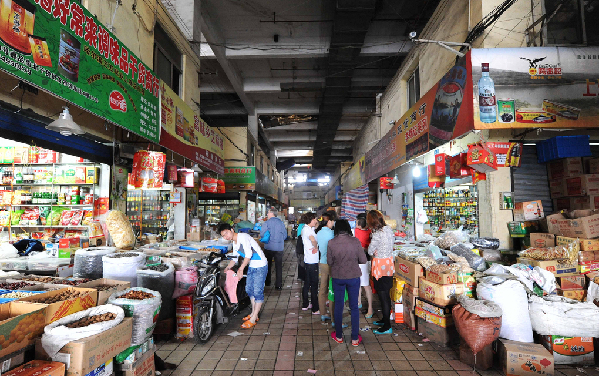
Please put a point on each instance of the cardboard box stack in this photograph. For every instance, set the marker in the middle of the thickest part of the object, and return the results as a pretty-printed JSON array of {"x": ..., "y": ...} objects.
[
  {"x": 409, "y": 272},
  {"x": 397, "y": 298}
]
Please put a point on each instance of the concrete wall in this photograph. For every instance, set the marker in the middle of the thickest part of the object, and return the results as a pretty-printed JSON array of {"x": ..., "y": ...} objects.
[{"x": 239, "y": 136}]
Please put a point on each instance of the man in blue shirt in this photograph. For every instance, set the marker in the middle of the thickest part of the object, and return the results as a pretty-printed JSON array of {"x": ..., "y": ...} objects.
[{"x": 275, "y": 246}]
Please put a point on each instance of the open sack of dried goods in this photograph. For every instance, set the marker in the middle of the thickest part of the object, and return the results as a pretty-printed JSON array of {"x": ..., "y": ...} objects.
[
  {"x": 538, "y": 276},
  {"x": 88, "y": 262},
  {"x": 475, "y": 261},
  {"x": 553, "y": 315},
  {"x": 477, "y": 321},
  {"x": 120, "y": 229},
  {"x": 511, "y": 297},
  {"x": 142, "y": 305},
  {"x": 161, "y": 278},
  {"x": 451, "y": 238},
  {"x": 122, "y": 266},
  {"x": 80, "y": 325},
  {"x": 560, "y": 252}
]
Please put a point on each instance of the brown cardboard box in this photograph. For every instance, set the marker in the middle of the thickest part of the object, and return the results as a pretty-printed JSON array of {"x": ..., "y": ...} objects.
[
  {"x": 408, "y": 270},
  {"x": 193, "y": 236},
  {"x": 433, "y": 313},
  {"x": 593, "y": 166},
  {"x": 583, "y": 185},
  {"x": 409, "y": 303},
  {"x": 570, "y": 350},
  {"x": 589, "y": 244},
  {"x": 38, "y": 368},
  {"x": 563, "y": 203},
  {"x": 528, "y": 211},
  {"x": 573, "y": 282},
  {"x": 558, "y": 188},
  {"x": 484, "y": 358},
  {"x": 17, "y": 322},
  {"x": 558, "y": 269},
  {"x": 64, "y": 308},
  {"x": 586, "y": 256},
  {"x": 524, "y": 359},
  {"x": 439, "y": 335},
  {"x": 584, "y": 202},
  {"x": 564, "y": 168},
  {"x": 103, "y": 296},
  {"x": 144, "y": 366},
  {"x": 446, "y": 278},
  {"x": 584, "y": 224},
  {"x": 439, "y": 294},
  {"x": 86, "y": 354},
  {"x": 564, "y": 240},
  {"x": 542, "y": 240},
  {"x": 579, "y": 295}
]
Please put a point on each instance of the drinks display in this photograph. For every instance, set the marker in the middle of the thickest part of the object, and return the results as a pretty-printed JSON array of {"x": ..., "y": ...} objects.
[
  {"x": 451, "y": 208},
  {"x": 486, "y": 96},
  {"x": 148, "y": 210}
]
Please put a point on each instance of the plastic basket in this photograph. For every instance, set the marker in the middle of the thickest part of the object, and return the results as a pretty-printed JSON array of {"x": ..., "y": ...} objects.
[
  {"x": 563, "y": 147},
  {"x": 244, "y": 230}
]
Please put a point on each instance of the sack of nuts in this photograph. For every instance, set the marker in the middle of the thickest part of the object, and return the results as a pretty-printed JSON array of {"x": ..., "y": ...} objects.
[
  {"x": 80, "y": 325},
  {"x": 143, "y": 305}
]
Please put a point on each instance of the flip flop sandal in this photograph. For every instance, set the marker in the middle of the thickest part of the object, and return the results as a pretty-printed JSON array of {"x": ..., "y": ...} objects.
[
  {"x": 248, "y": 324},
  {"x": 334, "y": 337},
  {"x": 359, "y": 341},
  {"x": 249, "y": 317}
]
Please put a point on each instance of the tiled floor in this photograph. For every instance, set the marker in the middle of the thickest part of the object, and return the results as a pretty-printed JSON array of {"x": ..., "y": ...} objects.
[{"x": 289, "y": 341}]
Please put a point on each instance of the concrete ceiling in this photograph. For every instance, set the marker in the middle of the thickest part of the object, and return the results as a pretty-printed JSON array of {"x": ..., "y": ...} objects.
[{"x": 320, "y": 60}]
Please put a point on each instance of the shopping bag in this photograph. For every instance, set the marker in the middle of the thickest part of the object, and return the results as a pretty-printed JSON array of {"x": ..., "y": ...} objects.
[{"x": 332, "y": 294}]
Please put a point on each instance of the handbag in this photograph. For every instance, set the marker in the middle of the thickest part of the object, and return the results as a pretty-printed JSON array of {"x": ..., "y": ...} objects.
[{"x": 266, "y": 237}]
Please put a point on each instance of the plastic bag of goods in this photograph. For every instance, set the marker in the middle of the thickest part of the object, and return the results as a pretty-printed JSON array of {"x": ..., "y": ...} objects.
[
  {"x": 475, "y": 261},
  {"x": 88, "y": 262},
  {"x": 184, "y": 317},
  {"x": 511, "y": 297},
  {"x": 450, "y": 238},
  {"x": 161, "y": 278},
  {"x": 477, "y": 321},
  {"x": 120, "y": 229},
  {"x": 186, "y": 280},
  {"x": 485, "y": 243},
  {"x": 143, "y": 305},
  {"x": 80, "y": 325},
  {"x": 122, "y": 266},
  {"x": 491, "y": 254},
  {"x": 561, "y": 252},
  {"x": 556, "y": 315}
]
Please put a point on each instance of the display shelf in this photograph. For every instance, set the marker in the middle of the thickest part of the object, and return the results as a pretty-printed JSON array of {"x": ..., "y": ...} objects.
[
  {"x": 48, "y": 164},
  {"x": 46, "y": 226},
  {"x": 43, "y": 184},
  {"x": 52, "y": 205}
]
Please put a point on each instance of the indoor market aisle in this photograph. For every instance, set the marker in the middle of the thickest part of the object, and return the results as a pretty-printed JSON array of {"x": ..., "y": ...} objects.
[{"x": 289, "y": 341}]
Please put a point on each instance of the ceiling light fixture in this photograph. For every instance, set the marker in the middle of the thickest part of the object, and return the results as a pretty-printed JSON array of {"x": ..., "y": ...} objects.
[
  {"x": 416, "y": 171},
  {"x": 65, "y": 124},
  {"x": 395, "y": 180},
  {"x": 197, "y": 169}
]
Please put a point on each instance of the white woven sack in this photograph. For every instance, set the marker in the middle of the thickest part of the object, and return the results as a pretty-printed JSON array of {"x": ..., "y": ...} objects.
[{"x": 556, "y": 315}]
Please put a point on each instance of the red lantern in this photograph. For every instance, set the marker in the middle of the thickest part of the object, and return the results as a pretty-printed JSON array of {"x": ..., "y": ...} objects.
[{"x": 148, "y": 169}]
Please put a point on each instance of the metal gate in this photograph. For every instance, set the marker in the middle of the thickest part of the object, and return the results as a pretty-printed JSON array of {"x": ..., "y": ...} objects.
[{"x": 529, "y": 181}]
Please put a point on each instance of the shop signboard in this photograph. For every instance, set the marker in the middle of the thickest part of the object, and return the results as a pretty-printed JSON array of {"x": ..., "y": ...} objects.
[
  {"x": 184, "y": 132},
  {"x": 507, "y": 153},
  {"x": 63, "y": 49},
  {"x": 548, "y": 87},
  {"x": 356, "y": 176},
  {"x": 438, "y": 117},
  {"x": 240, "y": 178}
]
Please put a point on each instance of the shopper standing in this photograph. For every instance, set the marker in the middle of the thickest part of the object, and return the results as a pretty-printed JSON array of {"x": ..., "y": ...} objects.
[
  {"x": 363, "y": 233},
  {"x": 275, "y": 246},
  {"x": 299, "y": 249},
  {"x": 310, "y": 264},
  {"x": 381, "y": 248},
  {"x": 253, "y": 257},
  {"x": 344, "y": 257},
  {"x": 322, "y": 237}
]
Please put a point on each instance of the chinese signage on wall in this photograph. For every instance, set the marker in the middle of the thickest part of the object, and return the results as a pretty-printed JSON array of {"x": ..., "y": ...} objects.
[
  {"x": 62, "y": 48},
  {"x": 540, "y": 87},
  {"x": 184, "y": 132},
  {"x": 438, "y": 117},
  {"x": 240, "y": 178}
]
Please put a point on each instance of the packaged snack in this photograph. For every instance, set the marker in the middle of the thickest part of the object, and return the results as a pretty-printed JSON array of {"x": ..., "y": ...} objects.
[
  {"x": 55, "y": 215},
  {"x": 4, "y": 218},
  {"x": 39, "y": 51},
  {"x": 76, "y": 218},
  {"x": 37, "y": 235},
  {"x": 15, "y": 217},
  {"x": 65, "y": 217},
  {"x": 48, "y": 234},
  {"x": 88, "y": 217},
  {"x": 44, "y": 213}
]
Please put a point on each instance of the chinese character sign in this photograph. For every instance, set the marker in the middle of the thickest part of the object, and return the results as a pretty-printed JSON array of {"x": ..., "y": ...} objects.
[
  {"x": 62, "y": 48},
  {"x": 240, "y": 178}
]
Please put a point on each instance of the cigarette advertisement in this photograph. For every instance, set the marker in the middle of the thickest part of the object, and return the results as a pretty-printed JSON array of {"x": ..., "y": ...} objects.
[
  {"x": 63, "y": 49},
  {"x": 535, "y": 87}
]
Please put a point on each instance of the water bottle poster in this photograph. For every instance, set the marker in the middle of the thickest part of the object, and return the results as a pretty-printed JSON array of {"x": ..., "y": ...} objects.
[{"x": 535, "y": 87}]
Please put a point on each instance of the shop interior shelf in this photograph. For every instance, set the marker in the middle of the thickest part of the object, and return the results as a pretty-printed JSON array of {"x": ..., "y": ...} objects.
[
  {"x": 45, "y": 226},
  {"x": 69, "y": 205},
  {"x": 41, "y": 184},
  {"x": 48, "y": 164}
]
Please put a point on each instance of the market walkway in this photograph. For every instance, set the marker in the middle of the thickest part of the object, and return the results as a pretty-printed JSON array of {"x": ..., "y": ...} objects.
[{"x": 289, "y": 341}]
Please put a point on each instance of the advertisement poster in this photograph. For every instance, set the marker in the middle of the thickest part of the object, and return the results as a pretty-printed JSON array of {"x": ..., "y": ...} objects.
[
  {"x": 439, "y": 116},
  {"x": 538, "y": 87},
  {"x": 184, "y": 132},
  {"x": 240, "y": 178},
  {"x": 507, "y": 153},
  {"x": 64, "y": 50},
  {"x": 251, "y": 211},
  {"x": 356, "y": 176}
]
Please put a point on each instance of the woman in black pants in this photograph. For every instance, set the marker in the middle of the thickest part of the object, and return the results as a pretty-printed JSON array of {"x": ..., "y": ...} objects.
[{"x": 381, "y": 248}]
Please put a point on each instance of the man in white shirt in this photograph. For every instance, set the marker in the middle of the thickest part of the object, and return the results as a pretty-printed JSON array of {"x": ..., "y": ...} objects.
[
  {"x": 311, "y": 260},
  {"x": 253, "y": 257}
]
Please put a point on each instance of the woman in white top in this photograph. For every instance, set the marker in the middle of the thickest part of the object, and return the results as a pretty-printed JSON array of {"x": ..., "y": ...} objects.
[{"x": 311, "y": 260}]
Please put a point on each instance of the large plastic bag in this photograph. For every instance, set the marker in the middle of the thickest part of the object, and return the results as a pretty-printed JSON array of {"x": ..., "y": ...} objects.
[
  {"x": 477, "y": 321},
  {"x": 7, "y": 250},
  {"x": 88, "y": 262},
  {"x": 186, "y": 280},
  {"x": 164, "y": 283},
  {"x": 122, "y": 268},
  {"x": 120, "y": 229},
  {"x": 485, "y": 243},
  {"x": 56, "y": 335},
  {"x": 142, "y": 312},
  {"x": 511, "y": 297},
  {"x": 475, "y": 261},
  {"x": 450, "y": 238},
  {"x": 592, "y": 292},
  {"x": 553, "y": 315}
]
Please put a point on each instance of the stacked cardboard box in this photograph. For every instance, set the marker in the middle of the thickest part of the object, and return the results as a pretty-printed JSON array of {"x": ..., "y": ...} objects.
[
  {"x": 397, "y": 298},
  {"x": 409, "y": 304},
  {"x": 574, "y": 183}
]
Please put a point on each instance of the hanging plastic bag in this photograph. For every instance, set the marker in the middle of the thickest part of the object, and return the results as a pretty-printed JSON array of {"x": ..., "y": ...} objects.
[
  {"x": 477, "y": 321},
  {"x": 186, "y": 280},
  {"x": 120, "y": 229}
]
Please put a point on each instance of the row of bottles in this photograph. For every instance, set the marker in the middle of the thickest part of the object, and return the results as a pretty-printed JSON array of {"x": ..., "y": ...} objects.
[
  {"x": 451, "y": 208},
  {"x": 449, "y": 202},
  {"x": 451, "y": 193},
  {"x": 27, "y": 175}
]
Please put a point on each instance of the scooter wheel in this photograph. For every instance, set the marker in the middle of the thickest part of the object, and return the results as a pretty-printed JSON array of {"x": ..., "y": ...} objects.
[{"x": 203, "y": 327}]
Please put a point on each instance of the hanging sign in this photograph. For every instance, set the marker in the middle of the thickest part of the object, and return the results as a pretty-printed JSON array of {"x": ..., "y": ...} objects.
[
  {"x": 385, "y": 182},
  {"x": 240, "y": 178},
  {"x": 434, "y": 181},
  {"x": 508, "y": 154},
  {"x": 63, "y": 49}
]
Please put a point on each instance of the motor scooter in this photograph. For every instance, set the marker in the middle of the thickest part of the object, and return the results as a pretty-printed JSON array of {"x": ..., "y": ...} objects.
[{"x": 212, "y": 305}]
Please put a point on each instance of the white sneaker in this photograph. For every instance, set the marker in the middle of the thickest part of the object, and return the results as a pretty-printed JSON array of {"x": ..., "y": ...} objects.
[{"x": 308, "y": 307}]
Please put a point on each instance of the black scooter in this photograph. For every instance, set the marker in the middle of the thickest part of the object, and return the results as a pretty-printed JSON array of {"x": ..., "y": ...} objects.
[{"x": 211, "y": 302}]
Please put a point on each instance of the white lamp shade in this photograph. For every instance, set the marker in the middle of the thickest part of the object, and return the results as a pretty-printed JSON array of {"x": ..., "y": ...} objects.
[
  {"x": 197, "y": 168},
  {"x": 65, "y": 124}
]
